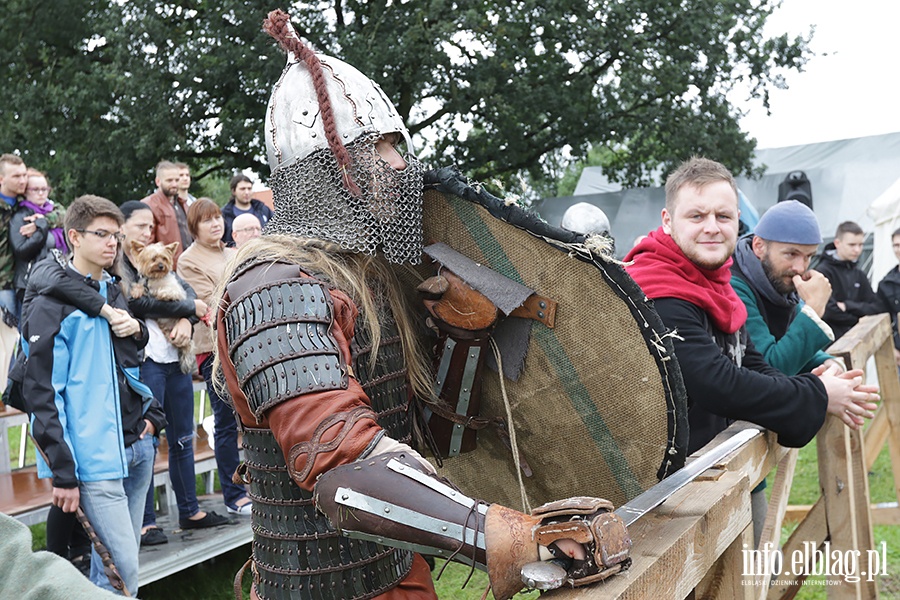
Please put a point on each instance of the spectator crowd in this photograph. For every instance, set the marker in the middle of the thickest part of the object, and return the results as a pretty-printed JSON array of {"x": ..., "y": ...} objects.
[
  {"x": 101, "y": 302},
  {"x": 86, "y": 319}
]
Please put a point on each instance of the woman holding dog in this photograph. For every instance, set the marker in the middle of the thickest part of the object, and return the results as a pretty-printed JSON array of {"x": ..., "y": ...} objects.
[
  {"x": 162, "y": 372},
  {"x": 202, "y": 265}
]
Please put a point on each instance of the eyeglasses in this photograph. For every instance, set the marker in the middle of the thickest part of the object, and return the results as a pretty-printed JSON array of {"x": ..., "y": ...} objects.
[
  {"x": 104, "y": 235},
  {"x": 248, "y": 229},
  {"x": 40, "y": 190}
]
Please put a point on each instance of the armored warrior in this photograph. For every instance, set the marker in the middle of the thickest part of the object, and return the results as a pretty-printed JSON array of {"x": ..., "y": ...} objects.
[{"x": 317, "y": 350}]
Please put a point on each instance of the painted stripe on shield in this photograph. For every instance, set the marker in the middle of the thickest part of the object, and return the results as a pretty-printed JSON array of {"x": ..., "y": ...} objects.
[{"x": 565, "y": 370}]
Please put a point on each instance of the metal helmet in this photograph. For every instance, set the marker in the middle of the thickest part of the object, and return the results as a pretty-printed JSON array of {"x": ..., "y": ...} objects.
[
  {"x": 328, "y": 181},
  {"x": 294, "y": 124}
]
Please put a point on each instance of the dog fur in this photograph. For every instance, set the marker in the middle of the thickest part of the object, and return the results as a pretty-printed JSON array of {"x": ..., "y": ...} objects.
[{"x": 154, "y": 264}]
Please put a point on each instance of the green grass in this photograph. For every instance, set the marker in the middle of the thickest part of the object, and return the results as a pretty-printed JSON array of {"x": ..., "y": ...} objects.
[
  {"x": 805, "y": 490},
  {"x": 213, "y": 579}
]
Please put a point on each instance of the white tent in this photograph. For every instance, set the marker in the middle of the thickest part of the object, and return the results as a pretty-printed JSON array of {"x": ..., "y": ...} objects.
[
  {"x": 846, "y": 176},
  {"x": 885, "y": 212}
]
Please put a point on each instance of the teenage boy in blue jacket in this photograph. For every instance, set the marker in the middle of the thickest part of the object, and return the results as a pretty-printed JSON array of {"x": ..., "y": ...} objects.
[{"x": 91, "y": 414}]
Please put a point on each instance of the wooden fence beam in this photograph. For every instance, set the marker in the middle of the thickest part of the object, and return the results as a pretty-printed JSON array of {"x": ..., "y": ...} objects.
[
  {"x": 844, "y": 484},
  {"x": 889, "y": 384},
  {"x": 677, "y": 544}
]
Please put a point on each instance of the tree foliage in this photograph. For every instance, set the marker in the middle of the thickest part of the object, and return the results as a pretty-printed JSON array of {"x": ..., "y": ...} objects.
[{"x": 96, "y": 92}]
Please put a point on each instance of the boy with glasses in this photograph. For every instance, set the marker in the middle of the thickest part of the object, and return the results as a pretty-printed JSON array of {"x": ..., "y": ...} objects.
[{"x": 91, "y": 414}]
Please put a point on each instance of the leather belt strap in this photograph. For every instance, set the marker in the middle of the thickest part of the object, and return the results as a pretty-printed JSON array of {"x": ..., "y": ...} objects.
[{"x": 538, "y": 308}]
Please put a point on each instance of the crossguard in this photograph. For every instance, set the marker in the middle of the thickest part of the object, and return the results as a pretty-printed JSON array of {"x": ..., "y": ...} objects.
[{"x": 591, "y": 523}]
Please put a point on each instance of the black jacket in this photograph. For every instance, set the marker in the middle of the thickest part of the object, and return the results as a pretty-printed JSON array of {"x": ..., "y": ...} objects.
[
  {"x": 46, "y": 318},
  {"x": 257, "y": 207},
  {"x": 889, "y": 294},
  {"x": 728, "y": 380},
  {"x": 849, "y": 285},
  {"x": 147, "y": 307},
  {"x": 28, "y": 251}
]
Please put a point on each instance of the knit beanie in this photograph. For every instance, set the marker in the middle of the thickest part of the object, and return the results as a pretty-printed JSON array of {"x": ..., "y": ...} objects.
[{"x": 790, "y": 222}]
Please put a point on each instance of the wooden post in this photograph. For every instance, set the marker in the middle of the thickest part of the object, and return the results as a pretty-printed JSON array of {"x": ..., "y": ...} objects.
[
  {"x": 838, "y": 479},
  {"x": 726, "y": 578},
  {"x": 889, "y": 383},
  {"x": 781, "y": 491}
]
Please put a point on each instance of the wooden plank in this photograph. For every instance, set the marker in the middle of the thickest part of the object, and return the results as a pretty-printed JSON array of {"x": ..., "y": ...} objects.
[
  {"x": 887, "y": 513},
  {"x": 889, "y": 383},
  {"x": 843, "y": 469},
  {"x": 836, "y": 476},
  {"x": 726, "y": 577},
  {"x": 863, "y": 340},
  {"x": 876, "y": 434},
  {"x": 756, "y": 459},
  {"x": 796, "y": 512},
  {"x": 676, "y": 544},
  {"x": 781, "y": 491},
  {"x": 860, "y": 505},
  {"x": 811, "y": 530}
]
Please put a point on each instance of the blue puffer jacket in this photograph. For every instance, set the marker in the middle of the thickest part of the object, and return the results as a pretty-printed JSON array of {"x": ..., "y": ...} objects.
[{"x": 82, "y": 387}]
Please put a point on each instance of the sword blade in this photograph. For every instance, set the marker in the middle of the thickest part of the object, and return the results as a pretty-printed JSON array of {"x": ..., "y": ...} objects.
[{"x": 640, "y": 505}]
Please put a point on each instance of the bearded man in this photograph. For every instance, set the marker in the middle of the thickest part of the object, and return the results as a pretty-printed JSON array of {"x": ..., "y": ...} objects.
[
  {"x": 317, "y": 349},
  {"x": 785, "y": 299},
  {"x": 684, "y": 266}
]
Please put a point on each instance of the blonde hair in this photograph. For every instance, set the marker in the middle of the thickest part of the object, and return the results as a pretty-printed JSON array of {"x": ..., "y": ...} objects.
[
  {"x": 364, "y": 278},
  {"x": 697, "y": 172}
]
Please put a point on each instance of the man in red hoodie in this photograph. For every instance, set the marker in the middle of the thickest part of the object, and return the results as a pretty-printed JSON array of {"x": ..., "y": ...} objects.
[{"x": 684, "y": 266}]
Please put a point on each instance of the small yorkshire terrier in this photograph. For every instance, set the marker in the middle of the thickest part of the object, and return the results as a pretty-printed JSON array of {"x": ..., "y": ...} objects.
[{"x": 154, "y": 265}]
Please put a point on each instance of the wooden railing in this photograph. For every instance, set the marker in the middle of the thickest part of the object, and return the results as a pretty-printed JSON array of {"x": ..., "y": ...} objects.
[{"x": 699, "y": 543}]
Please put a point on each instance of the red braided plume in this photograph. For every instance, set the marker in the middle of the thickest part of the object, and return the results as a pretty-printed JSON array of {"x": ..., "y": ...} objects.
[{"x": 277, "y": 25}]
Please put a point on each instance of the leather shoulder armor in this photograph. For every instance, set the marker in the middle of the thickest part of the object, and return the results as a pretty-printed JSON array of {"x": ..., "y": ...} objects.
[{"x": 279, "y": 338}]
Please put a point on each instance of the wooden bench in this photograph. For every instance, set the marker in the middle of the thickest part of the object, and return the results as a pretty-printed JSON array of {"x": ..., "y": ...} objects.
[
  {"x": 24, "y": 496},
  {"x": 9, "y": 418},
  {"x": 27, "y": 498}
]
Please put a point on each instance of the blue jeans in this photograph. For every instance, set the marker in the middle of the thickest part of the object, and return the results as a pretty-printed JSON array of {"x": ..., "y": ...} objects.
[
  {"x": 175, "y": 391},
  {"x": 114, "y": 508},
  {"x": 225, "y": 436}
]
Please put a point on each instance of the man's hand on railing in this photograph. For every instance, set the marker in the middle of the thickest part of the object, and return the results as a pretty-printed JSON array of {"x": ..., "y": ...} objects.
[{"x": 848, "y": 398}]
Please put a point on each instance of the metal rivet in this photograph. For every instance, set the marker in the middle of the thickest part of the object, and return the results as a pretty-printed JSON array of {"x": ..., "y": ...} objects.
[
  {"x": 540, "y": 314},
  {"x": 542, "y": 304}
]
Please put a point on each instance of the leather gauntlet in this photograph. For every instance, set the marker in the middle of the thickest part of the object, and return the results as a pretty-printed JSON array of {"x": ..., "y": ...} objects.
[{"x": 591, "y": 523}]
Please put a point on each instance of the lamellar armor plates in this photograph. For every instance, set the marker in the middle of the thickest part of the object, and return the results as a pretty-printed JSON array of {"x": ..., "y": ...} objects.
[{"x": 280, "y": 343}]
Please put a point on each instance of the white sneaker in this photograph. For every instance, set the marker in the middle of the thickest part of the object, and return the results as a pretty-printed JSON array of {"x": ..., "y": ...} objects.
[{"x": 243, "y": 510}]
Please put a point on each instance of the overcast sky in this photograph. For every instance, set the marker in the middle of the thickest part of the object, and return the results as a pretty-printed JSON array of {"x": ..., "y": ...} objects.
[{"x": 849, "y": 89}]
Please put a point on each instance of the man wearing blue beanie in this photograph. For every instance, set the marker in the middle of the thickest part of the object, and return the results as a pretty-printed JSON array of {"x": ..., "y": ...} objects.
[{"x": 785, "y": 300}]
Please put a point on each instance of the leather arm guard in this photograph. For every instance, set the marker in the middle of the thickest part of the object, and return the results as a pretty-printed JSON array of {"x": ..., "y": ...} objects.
[
  {"x": 389, "y": 499},
  {"x": 280, "y": 341}
]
